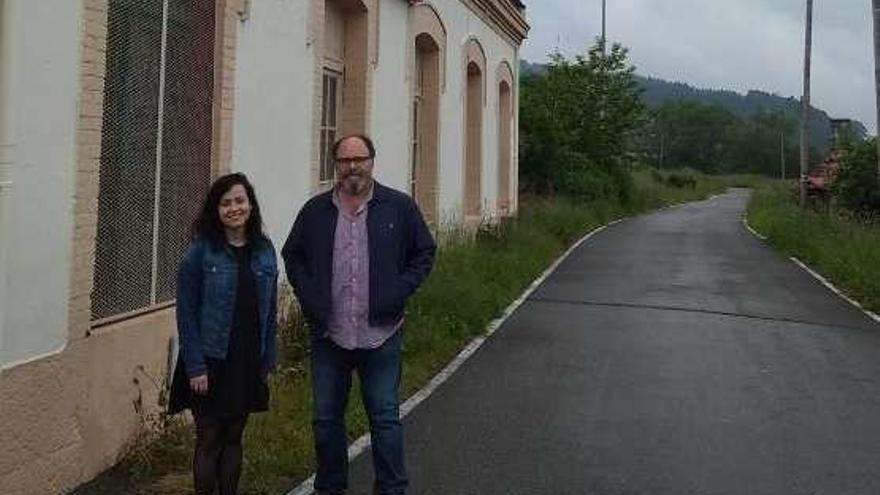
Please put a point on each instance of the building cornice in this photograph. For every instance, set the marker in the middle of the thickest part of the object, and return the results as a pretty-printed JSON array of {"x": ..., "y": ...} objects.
[{"x": 505, "y": 16}]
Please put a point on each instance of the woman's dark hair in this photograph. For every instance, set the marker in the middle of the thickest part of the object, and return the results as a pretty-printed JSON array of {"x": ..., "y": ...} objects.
[{"x": 208, "y": 225}]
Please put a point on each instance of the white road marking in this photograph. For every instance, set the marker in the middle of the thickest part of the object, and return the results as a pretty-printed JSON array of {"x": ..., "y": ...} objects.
[
  {"x": 754, "y": 232},
  {"x": 829, "y": 285},
  {"x": 820, "y": 278}
]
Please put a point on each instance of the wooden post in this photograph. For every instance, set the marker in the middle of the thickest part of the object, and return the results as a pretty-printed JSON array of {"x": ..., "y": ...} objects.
[
  {"x": 603, "y": 28},
  {"x": 805, "y": 105},
  {"x": 876, "y": 6},
  {"x": 782, "y": 154}
]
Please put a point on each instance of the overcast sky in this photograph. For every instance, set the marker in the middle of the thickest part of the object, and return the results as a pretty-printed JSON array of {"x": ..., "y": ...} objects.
[{"x": 730, "y": 44}]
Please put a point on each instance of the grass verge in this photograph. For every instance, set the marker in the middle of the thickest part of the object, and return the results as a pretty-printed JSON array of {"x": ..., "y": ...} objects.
[
  {"x": 474, "y": 279},
  {"x": 843, "y": 248}
]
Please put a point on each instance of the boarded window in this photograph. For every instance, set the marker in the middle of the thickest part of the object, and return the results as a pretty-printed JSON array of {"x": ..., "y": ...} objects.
[
  {"x": 473, "y": 140},
  {"x": 155, "y": 148},
  {"x": 505, "y": 122},
  {"x": 425, "y": 125}
]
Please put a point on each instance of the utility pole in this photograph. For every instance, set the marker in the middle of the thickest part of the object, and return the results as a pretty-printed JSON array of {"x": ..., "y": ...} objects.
[
  {"x": 876, "y": 6},
  {"x": 805, "y": 104},
  {"x": 603, "y": 27},
  {"x": 661, "y": 150},
  {"x": 782, "y": 153},
  {"x": 603, "y": 96}
]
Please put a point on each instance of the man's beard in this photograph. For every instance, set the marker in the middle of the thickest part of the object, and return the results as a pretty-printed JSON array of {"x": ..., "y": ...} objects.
[{"x": 355, "y": 184}]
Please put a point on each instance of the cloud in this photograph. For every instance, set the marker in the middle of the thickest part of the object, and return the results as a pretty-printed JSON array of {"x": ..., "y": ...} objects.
[{"x": 739, "y": 45}]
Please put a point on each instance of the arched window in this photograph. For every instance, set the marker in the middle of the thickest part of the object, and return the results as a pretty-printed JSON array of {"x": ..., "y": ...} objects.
[
  {"x": 475, "y": 70},
  {"x": 504, "y": 76},
  {"x": 429, "y": 49}
]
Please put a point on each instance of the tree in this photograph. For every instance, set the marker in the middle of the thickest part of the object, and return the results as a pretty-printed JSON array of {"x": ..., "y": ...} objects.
[
  {"x": 712, "y": 139},
  {"x": 687, "y": 133},
  {"x": 857, "y": 187},
  {"x": 576, "y": 121},
  {"x": 756, "y": 149}
]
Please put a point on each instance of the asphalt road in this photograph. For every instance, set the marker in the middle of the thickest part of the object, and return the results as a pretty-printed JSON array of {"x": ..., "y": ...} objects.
[{"x": 672, "y": 353}]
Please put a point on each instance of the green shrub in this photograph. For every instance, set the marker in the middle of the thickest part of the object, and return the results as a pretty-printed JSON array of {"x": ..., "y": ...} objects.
[
  {"x": 681, "y": 181},
  {"x": 856, "y": 187},
  {"x": 579, "y": 178},
  {"x": 657, "y": 176}
]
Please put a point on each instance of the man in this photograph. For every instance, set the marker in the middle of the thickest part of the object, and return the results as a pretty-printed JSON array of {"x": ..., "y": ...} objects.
[{"x": 353, "y": 256}]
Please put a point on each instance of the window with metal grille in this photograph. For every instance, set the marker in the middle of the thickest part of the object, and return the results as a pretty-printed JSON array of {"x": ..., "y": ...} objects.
[
  {"x": 416, "y": 146},
  {"x": 155, "y": 149},
  {"x": 329, "y": 122},
  {"x": 416, "y": 126}
]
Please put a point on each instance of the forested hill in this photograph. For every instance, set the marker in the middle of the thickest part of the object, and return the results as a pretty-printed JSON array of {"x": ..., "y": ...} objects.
[{"x": 658, "y": 91}]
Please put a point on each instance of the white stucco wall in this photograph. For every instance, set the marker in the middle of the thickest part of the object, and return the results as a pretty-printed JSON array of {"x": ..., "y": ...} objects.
[
  {"x": 391, "y": 119},
  {"x": 462, "y": 24},
  {"x": 42, "y": 73},
  {"x": 5, "y": 158},
  {"x": 273, "y": 109},
  {"x": 273, "y": 106}
]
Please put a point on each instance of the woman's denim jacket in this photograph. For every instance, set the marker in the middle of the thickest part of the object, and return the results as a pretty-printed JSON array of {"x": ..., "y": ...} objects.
[{"x": 206, "y": 289}]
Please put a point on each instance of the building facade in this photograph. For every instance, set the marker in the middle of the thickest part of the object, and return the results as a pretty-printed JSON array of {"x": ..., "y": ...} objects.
[{"x": 115, "y": 119}]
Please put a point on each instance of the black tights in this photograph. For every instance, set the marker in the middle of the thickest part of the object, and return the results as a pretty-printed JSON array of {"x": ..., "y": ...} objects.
[{"x": 217, "y": 460}]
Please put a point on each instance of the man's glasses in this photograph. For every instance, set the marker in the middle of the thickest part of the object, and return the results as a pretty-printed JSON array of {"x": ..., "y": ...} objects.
[{"x": 354, "y": 160}]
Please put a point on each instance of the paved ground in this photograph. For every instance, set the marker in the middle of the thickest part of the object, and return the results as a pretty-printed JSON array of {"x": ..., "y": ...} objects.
[{"x": 671, "y": 354}]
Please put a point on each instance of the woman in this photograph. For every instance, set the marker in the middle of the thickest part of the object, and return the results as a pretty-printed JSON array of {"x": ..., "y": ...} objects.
[{"x": 226, "y": 306}]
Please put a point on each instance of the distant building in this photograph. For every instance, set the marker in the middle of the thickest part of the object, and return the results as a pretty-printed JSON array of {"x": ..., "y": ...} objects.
[
  {"x": 846, "y": 129},
  {"x": 820, "y": 177}
]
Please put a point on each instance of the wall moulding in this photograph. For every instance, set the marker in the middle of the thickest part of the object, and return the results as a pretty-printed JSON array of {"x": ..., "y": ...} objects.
[{"x": 504, "y": 16}]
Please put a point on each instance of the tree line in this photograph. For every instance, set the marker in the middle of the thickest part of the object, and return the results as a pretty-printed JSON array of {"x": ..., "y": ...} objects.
[
  {"x": 584, "y": 121},
  {"x": 712, "y": 139}
]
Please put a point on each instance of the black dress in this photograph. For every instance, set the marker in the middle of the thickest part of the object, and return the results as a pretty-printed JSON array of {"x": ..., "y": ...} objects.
[{"x": 235, "y": 384}]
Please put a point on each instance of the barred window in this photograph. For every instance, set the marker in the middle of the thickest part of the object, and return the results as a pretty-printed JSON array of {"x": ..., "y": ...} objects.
[
  {"x": 416, "y": 143},
  {"x": 329, "y": 122},
  {"x": 155, "y": 148}
]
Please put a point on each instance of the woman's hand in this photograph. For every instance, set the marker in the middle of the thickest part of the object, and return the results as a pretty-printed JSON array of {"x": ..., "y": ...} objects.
[{"x": 199, "y": 384}]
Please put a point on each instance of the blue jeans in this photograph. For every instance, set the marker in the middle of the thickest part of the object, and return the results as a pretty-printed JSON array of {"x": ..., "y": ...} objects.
[{"x": 379, "y": 373}]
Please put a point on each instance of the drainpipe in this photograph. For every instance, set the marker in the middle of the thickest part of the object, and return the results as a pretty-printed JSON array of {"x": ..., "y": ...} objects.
[{"x": 7, "y": 146}]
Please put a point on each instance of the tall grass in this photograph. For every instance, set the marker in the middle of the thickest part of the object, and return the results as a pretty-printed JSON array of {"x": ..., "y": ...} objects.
[
  {"x": 657, "y": 188},
  {"x": 476, "y": 275},
  {"x": 841, "y": 246}
]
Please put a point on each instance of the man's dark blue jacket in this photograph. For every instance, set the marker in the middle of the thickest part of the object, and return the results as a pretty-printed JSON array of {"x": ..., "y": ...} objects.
[{"x": 401, "y": 255}]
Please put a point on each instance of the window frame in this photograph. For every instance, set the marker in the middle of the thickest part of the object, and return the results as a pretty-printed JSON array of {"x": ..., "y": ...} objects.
[
  {"x": 327, "y": 170},
  {"x": 155, "y": 304},
  {"x": 417, "y": 115}
]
